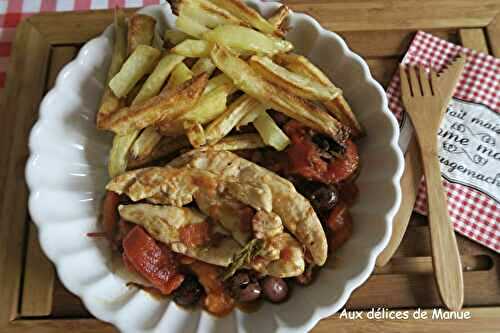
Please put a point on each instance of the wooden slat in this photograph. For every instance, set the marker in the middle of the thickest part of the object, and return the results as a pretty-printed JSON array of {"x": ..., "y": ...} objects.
[
  {"x": 66, "y": 304},
  {"x": 389, "y": 43},
  {"x": 383, "y": 69},
  {"x": 493, "y": 31},
  {"x": 384, "y": 15},
  {"x": 474, "y": 39},
  {"x": 340, "y": 15},
  {"x": 61, "y": 326},
  {"x": 23, "y": 91},
  {"x": 484, "y": 320},
  {"x": 38, "y": 283}
]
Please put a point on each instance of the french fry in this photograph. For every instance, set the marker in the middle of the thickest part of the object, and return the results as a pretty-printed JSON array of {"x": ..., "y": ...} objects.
[
  {"x": 203, "y": 65},
  {"x": 195, "y": 133},
  {"x": 141, "y": 31},
  {"x": 193, "y": 48},
  {"x": 245, "y": 78},
  {"x": 221, "y": 126},
  {"x": 109, "y": 102},
  {"x": 166, "y": 147},
  {"x": 338, "y": 107},
  {"x": 270, "y": 133},
  {"x": 174, "y": 37},
  {"x": 140, "y": 62},
  {"x": 301, "y": 65},
  {"x": 279, "y": 19},
  {"x": 119, "y": 152},
  {"x": 155, "y": 81},
  {"x": 238, "y": 142},
  {"x": 242, "y": 38},
  {"x": 166, "y": 106},
  {"x": 251, "y": 116},
  {"x": 171, "y": 145},
  {"x": 216, "y": 82},
  {"x": 297, "y": 84},
  {"x": 180, "y": 75},
  {"x": 247, "y": 14},
  {"x": 145, "y": 143},
  {"x": 190, "y": 27},
  {"x": 206, "y": 13},
  {"x": 209, "y": 107}
]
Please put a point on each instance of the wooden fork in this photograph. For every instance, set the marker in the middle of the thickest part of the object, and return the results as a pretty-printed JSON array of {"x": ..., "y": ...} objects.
[{"x": 423, "y": 102}]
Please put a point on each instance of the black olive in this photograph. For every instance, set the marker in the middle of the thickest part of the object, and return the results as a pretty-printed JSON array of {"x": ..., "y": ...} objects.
[
  {"x": 189, "y": 292},
  {"x": 327, "y": 144},
  {"x": 322, "y": 197},
  {"x": 244, "y": 287},
  {"x": 275, "y": 289}
]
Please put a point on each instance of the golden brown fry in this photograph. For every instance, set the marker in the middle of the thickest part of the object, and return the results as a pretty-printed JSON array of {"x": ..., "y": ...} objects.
[
  {"x": 251, "y": 116},
  {"x": 279, "y": 19},
  {"x": 140, "y": 62},
  {"x": 180, "y": 75},
  {"x": 165, "y": 107},
  {"x": 141, "y": 31},
  {"x": 209, "y": 107},
  {"x": 174, "y": 37},
  {"x": 270, "y": 132},
  {"x": 338, "y": 107},
  {"x": 193, "y": 48},
  {"x": 301, "y": 65},
  {"x": 203, "y": 65},
  {"x": 247, "y": 14},
  {"x": 221, "y": 126},
  {"x": 245, "y": 78},
  {"x": 239, "y": 142},
  {"x": 118, "y": 155},
  {"x": 216, "y": 82},
  {"x": 109, "y": 102},
  {"x": 166, "y": 147},
  {"x": 206, "y": 13},
  {"x": 194, "y": 133},
  {"x": 155, "y": 81},
  {"x": 297, "y": 84},
  {"x": 190, "y": 27},
  {"x": 145, "y": 143},
  {"x": 241, "y": 38}
]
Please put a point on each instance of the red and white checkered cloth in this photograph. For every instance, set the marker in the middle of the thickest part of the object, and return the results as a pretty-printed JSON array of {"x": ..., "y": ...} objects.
[
  {"x": 474, "y": 214},
  {"x": 12, "y": 12}
]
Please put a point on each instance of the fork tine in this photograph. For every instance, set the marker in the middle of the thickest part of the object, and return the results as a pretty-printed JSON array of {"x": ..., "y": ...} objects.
[
  {"x": 433, "y": 80},
  {"x": 415, "y": 85},
  {"x": 405, "y": 85},
  {"x": 424, "y": 82}
]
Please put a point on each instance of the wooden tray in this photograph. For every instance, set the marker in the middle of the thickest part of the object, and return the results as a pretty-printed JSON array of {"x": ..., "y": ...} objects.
[{"x": 32, "y": 298}]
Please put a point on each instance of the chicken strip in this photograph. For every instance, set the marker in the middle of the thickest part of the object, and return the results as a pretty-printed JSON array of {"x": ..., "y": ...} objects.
[
  {"x": 167, "y": 224},
  {"x": 296, "y": 212}
]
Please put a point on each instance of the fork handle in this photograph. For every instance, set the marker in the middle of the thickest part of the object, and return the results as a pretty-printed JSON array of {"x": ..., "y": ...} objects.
[{"x": 445, "y": 254}]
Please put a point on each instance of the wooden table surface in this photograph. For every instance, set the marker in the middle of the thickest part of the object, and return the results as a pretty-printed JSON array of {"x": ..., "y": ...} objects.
[{"x": 32, "y": 298}]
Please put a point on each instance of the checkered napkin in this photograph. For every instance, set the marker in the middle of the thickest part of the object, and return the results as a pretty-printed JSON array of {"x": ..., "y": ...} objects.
[
  {"x": 474, "y": 212},
  {"x": 12, "y": 12}
]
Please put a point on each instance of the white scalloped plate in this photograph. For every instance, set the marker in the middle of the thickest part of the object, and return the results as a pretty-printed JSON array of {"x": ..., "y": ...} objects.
[{"x": 66, "y": 173}]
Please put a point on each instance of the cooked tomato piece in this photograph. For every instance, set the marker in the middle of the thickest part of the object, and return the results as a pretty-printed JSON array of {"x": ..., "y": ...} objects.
[
  {"x": 197, "y": 234},
  {"x": 154, "y": 263},
  {"x": 110, "y": 215},
  {"x": 341, "y": 169},
  {"x": 218, "y": 301},
  {"x": 339, "y": 225},
  {"x": 349, "y": 193},
  {"x": 307, "y": 159}
]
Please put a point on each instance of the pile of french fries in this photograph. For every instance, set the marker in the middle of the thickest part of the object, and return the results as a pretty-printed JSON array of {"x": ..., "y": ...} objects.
[{"x": 223, "y": 67}]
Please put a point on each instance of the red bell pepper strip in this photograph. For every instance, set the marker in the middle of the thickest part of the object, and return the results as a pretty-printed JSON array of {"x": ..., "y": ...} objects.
[{"x": 154, "y": 263}]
